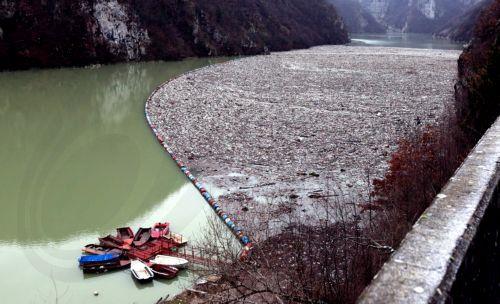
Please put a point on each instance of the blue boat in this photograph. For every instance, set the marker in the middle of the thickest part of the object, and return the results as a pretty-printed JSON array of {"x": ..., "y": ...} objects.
[{"x": 98, "y": 259}]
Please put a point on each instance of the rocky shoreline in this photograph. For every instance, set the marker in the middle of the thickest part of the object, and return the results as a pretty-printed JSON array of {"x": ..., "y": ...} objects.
[{"x": 292, "y": 126}]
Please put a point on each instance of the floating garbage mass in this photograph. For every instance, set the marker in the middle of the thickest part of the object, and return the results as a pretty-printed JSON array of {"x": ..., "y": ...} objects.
[{"x": 230, "y": 222}]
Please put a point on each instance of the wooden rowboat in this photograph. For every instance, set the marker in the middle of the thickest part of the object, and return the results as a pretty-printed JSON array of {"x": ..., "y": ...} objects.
[
  {"x": 125, "y": 234},
  {"x": 167, "y": 260},
  {"x": 105, "y": 267},
  {"x": 98, "y": 249},
  {"x": 111, "y": 241},
  {"x": 98, "y": 259},
  {"x": 164, "y": 272},
  {"x": 142, "y": 237},
  {"x": 141, "y": 272}
]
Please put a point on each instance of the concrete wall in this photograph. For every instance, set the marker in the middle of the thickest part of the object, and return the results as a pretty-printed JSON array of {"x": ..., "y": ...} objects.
[{"x": 452, "y": 254}]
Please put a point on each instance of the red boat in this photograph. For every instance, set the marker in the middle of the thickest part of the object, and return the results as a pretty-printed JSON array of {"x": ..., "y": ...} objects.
[
  {"x": 159, "y": 230},
  {"x": 111, "y": 241},
  {"x": 98, "y": 249},
  {"x": 164, "y": 272},
  {"x": 125, "y": 234},
  {"x": 142, "y": 237}
]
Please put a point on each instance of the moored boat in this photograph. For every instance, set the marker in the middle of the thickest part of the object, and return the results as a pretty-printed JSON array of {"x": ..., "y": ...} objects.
[
  {"x": 98, "y": 249},
  {"x": 97, "y": 259},
  {"x": 167, "y": 260},
  {"x": 159, "y": 230},
  {"x": 142, "y": 237},
  {"x": 105, "y": 267},
  {"x": 164, "y": 271},
  {"x": 111, "y": 241},
  {"x": 125, "y": 234},
  {"x": 141, "y": 272}
]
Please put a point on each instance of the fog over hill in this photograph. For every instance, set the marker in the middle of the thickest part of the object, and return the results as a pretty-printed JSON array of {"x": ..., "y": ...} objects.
[
  {"x": 418, "y": 16},
  {"x": 415, "y": 16},
  {"x": 356, "y": 18}
]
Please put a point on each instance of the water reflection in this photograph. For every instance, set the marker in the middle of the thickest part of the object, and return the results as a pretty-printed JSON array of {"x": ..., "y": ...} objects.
[
  {"x": 76, "y": 154},
  {"x": 122, "y": 86},
  {"x": 77, "y": 160}
]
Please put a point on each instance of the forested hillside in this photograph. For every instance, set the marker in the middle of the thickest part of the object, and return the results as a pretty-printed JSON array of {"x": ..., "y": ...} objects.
[
  {"x": 477, "y": 90},
  {"x": 461, "y": 28},
  {"x": 48, "y": 33}
]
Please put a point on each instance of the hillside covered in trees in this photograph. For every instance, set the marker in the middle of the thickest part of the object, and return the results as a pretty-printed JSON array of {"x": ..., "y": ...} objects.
[
  {"x": 461, "y": 28},
  {"x": 48, "y": 33},
  {"x": 477, "y": 90}
]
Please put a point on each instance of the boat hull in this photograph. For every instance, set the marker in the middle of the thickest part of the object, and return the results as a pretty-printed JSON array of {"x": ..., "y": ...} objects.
[
  {"x": 90, "y": 260},
  {"x": 142, "y": 281},
  {"x": 141, "y": 272},
  {"x": 166, "y": 260},
  {"x": 105, "y": 267},
  {"x": 111, "y": 241},
  {"x": 142, "y": 236},
  {"x": 98, "y": 249},
  {"x": 125, "y": 234},
  {"x": 164, "y": 272}
]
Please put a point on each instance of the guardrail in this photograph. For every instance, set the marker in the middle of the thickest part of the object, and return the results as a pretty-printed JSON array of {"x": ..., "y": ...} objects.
[{"x": 452, "y": 254}]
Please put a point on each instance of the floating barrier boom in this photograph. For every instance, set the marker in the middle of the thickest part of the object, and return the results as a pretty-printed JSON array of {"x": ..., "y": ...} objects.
[{"x": 229, "y": 222}]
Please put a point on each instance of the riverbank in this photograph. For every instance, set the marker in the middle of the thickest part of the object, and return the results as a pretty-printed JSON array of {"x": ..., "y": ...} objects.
[{"x": 291, "y": 126}]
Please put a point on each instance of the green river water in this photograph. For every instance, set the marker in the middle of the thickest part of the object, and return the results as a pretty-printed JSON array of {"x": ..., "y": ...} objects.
[{"x": 77, "y": 160}]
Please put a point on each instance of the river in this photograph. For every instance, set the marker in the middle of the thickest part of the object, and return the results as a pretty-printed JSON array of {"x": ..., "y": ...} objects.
[
  {"x": 77, "y": 160},
  {"x": 405, "y": 40}
]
